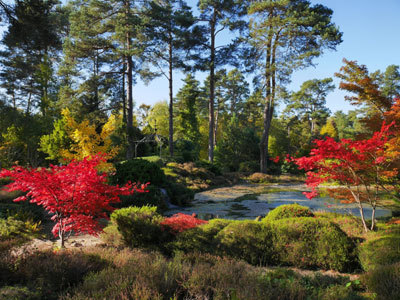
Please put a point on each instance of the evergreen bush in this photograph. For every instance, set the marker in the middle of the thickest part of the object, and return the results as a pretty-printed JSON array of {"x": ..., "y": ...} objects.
[
  {"x": 312, "y": 243},
  {"x": 288, "y": 211}
]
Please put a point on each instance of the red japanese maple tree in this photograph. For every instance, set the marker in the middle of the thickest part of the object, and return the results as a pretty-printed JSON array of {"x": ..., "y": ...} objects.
[
  {"x": 362, "y": 167},
  {"x": 76, "y": 195}
]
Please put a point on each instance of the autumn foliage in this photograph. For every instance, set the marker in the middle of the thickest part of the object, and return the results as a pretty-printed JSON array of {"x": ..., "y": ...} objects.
[
  {"x": 76, "y": 195},
  {"x": 181, "y": 222},
  {"x": 363, "y": 168}
]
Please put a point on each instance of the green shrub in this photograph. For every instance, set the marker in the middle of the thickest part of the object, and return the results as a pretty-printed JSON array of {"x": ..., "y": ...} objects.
[
  {"x": 247, "y": 240},
  {"x": 139, "y": 226},
  {"x": 312, "y": 243},
  {"x": 138, "y": 170},
  {"x": 12, "y": 228},
  {"x": 383, "y": 250},
  {"x": 384, "y": 281},
  {"x": 199, "y": 239},
  {"x": 185, "y": 150},
  {"x": 288, "y": 211}
]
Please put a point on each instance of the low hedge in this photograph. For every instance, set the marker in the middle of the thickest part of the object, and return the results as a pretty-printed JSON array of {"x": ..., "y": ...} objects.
[
  {"x": 302, "y": 242},
  {"x": 312, "y": 243},
  {"x": 288, "y": 211}
]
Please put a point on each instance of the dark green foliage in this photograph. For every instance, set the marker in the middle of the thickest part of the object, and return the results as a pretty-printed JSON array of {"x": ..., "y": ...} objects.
[
  {"x": 312, "y": 243},
  {"x": 22, "y": 211},
  {"x": 185, "y": 151},
  {"x": 187, "y": 110},
  {"x": 247, "y": 240},
  {"x": 139, "y": 226},
  {"x": 201, "y": 238},
  {"x": 138, "y": 170},
  {"x": 384, "y": 281},
  {"x": 179, "y": 193},
  {"x": 288, "y": 211},
  {"x": 233, "y": 148},
  {"x": 382, "y": 250}
]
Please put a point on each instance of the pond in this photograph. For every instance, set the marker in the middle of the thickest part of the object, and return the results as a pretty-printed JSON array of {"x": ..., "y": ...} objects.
[{"x": 238, "y": 202}]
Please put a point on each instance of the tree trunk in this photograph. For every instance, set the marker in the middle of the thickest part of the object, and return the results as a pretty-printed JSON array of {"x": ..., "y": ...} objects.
[
  {"x": 129, "y": 71},
  {"x": 216, "y": 124},
  {"x": 212, "y": 88},
  {"x": 267, "y": 114},
  {"x": 171, "y": 100}
]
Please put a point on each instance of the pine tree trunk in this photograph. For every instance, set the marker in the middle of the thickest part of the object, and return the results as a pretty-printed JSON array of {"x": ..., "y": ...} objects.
[
  {"x": 171, "y": 101},
  {"x": 129, "y": 71},
  {"x": 211, "y": 98}
]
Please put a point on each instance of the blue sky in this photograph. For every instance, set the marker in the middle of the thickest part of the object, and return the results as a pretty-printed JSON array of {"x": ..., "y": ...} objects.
[{"x": 370, "y": 36}]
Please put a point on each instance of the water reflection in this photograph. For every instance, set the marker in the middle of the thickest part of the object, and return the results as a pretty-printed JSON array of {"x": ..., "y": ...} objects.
[{"x": 222, "y": 207}]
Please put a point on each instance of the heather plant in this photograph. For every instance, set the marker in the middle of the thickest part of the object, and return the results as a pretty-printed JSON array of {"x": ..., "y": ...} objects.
[{"x": 384, "y": 281}]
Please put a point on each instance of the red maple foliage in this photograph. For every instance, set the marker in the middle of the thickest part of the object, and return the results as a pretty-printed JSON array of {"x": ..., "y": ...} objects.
[
  {"x": 181, "y": 222},
  {"x": 362, "y": 168},
  {"x": 76, "y": 195}
]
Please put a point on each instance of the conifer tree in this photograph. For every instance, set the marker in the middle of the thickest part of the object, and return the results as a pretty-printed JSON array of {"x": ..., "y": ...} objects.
[
  {"x": 286, "y": 35},
  {"x": 168, "y": 31}
]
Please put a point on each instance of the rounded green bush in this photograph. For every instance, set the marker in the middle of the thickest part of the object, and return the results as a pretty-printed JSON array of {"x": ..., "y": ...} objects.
[
  {"x": 288, "y": 211},
  {"x": 139, "y": 226},
  {"x": 384, "y": 281},
  {"x": 247, "y": 240},
  {"x": 383, "y": 250},
  {"x": 312, "y": 243},
  {"x": 199, "y": 239},
  {"x": 138, "y": 170}
]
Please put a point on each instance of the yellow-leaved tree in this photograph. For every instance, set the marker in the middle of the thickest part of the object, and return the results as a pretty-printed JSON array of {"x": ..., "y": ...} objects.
[{"x": 72, "y": 140}]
